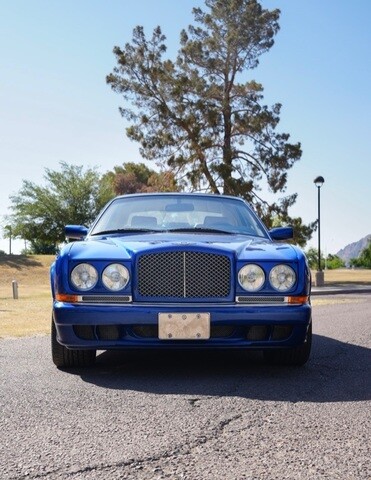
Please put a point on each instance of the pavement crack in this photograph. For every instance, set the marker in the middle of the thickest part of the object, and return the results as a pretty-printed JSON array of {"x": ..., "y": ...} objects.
[
  {"x": 139, "y": 463},
  {"x": 194, "y": 402}
]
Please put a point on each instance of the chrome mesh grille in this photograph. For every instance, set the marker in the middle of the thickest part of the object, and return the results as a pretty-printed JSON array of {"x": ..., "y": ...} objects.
[
  {"x": 184, "y": 274},
  {"x": 105, "y": 298},
  {"x": 260, "y": 300}
]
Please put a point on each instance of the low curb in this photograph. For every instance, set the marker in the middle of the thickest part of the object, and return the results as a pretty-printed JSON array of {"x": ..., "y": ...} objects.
[{"x": 341, "y": 289}]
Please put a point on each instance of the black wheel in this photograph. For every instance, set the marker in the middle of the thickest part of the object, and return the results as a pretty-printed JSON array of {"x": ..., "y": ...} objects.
[
  {"x": 297, "y": 356},
  {"x": 65, "y": 358}
]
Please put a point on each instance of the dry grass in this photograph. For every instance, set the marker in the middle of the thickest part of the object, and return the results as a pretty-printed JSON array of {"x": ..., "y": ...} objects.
[
  {"x": 347, "y": 275},
  {"x": 30, "y": 314}
]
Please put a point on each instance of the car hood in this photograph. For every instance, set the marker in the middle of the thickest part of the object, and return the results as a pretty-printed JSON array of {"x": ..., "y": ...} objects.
[{"x": 126, "y": 247}]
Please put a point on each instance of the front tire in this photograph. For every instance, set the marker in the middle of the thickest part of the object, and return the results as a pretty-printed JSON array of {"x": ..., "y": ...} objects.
[
  {"x": 65, "y": 358},
  {"x": 296, "y": 356}
]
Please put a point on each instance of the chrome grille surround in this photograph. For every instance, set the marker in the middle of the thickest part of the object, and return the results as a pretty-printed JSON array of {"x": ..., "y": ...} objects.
[{"x": 184, "y": 274}]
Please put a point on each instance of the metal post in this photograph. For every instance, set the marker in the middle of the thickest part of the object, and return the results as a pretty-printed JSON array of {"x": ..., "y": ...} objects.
[{"x": 15, "y": 289}]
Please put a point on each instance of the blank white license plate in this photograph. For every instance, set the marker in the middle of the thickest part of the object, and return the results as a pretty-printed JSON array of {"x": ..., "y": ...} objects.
[{"x": 184, "y": 326}]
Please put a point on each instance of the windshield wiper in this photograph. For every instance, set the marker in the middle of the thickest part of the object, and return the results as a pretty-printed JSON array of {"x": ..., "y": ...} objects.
[
  {"x": 199, "y": 229},
  {"x": 170, "y": 230},
  {"x": 125, "y": 230}
]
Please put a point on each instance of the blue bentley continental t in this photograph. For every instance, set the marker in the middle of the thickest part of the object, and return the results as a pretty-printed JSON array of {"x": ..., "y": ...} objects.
[{"x": 177, "y": 270}]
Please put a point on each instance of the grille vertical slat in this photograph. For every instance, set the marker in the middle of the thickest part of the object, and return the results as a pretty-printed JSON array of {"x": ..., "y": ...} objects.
[{"x": 184, "y": 274}]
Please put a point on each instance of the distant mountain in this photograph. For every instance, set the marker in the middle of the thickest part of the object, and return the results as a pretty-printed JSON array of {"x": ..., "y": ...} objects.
[{"x": 353, "y": 250}]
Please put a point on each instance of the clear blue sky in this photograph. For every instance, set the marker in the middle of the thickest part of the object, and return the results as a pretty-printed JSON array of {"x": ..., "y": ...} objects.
[{"x": 55, "y": 105}]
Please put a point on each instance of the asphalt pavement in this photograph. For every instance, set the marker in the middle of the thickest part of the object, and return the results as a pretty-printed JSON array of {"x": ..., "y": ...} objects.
[{"x": 191, "y": 415}]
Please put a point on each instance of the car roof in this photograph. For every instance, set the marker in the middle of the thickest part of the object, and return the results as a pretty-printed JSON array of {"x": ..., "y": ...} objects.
[{"x": 180, "y": 194}]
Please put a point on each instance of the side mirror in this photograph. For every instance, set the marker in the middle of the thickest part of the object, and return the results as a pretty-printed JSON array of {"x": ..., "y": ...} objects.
[
  {"x": 281, "y": 233},
  {"x": 75, "y": 232}
]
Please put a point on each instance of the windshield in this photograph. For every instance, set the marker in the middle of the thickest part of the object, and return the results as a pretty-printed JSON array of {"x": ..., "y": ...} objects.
[{"x": 183, "y": 213}]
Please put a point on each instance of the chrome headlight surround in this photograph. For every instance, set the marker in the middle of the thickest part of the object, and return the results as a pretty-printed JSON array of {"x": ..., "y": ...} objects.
[
  {"x": 251, "y": 277},
  {"x": 84, "y": 277},
  {"x": 282, "y": 278},
  {"x": 115, "y": 277}
]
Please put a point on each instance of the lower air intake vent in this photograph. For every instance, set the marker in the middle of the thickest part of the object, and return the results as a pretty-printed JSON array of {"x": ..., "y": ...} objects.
[{"x": 108, "y": 332}]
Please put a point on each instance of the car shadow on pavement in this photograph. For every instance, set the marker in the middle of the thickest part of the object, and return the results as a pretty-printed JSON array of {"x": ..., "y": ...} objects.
[{"x": 336, "y": 372}]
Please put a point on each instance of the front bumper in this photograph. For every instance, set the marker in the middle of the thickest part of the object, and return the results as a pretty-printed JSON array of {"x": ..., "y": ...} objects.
[{"x": 134, "y": 325}]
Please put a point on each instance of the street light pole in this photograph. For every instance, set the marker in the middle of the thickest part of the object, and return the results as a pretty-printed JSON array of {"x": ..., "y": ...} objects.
[
  {"x": 319, "y": 228},
  {"x": 320, "y": 280}
]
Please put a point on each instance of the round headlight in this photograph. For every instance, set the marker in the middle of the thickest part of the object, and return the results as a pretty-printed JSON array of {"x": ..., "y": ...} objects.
[
  {"x": 84, "y": 276},
  {"x": 282, "y": 277},
  {"x": 251, "y": 277},
  {"x": 115, "y": 277}
]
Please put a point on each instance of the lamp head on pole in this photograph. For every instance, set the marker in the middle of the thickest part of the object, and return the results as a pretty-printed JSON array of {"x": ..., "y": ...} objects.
[{"x": 319, "y": 181}]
